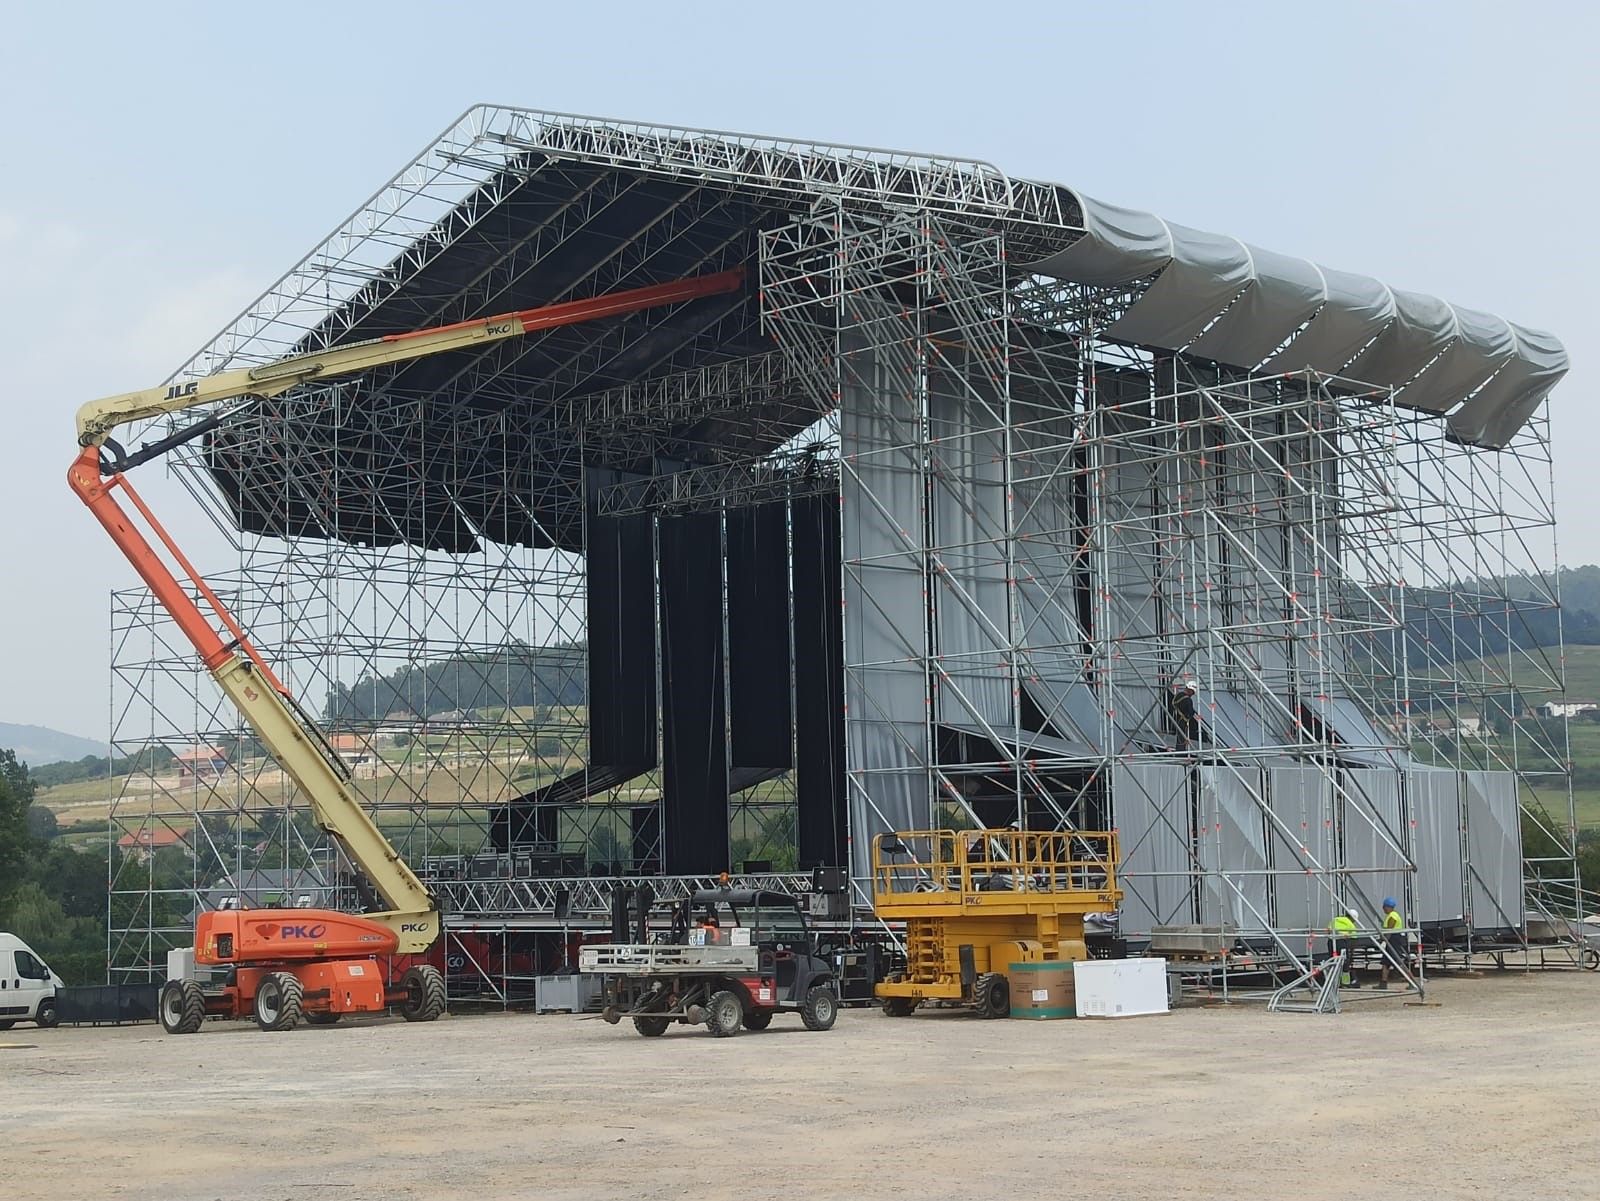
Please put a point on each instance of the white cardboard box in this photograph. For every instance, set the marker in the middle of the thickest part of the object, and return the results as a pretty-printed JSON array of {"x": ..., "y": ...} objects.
[{"x": 1119, "y": 988}]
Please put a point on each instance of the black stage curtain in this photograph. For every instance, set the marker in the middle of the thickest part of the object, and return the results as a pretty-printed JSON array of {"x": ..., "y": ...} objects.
[
  {"x": 694, "y": 790},
  {"x": 619, "y": 562},
  {"x": 819, "y": 682},
  {"x": 758, "y": 637}
]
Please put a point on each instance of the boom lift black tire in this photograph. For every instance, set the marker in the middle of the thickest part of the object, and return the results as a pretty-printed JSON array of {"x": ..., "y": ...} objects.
[
  {"x": 991, "y": 996},
  {"x": 820, "y": 1009},
  {"x": 46, "y": 1018},
  {"x": 183, "y": 1007},
  {"x": 899, "y": 1007},
  {"x": 425, "y": 996},
  {"x": 724, "y": 1013},
  {"x": 651, "y": 1027},
  {"x": 758, "y": 1019},
  {"x": 278, "y": 1001},
  {"x": 324, "y": 1018}
]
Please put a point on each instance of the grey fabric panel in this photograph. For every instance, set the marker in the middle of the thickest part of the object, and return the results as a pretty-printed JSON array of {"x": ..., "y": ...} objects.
[
  {"x": 1436, "y": 844},
  {"x": 1493, "y": 415},
  {"x": 1232, "y": 846},
  {"x": 1150, "y": 803},
  {"x": 1118, "y": 245},
  {"x": 1374, "y": 839},
  {"x": 1286, "y": 293},
  {"x": 885, "y": 636},
  {"x": 1357, "y": 309},
  {"x": 969, "y": 535},
  {"x": 1028, "y": 744},
  {"x": 1206, "y": 273},
  {"x": 1422, "y": 327},
  {"x": 1239, "y": 722},
  {"x": 1301, "y": 802},
  {"x": 1494, "y": 850},
  {"x": 1048, "y": 539},
  {"x": 1133, "y": 599},
  {"x": 1484, "y": 343}
]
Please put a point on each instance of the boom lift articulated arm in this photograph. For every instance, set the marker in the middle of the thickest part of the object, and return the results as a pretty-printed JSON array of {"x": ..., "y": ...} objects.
[{"x": 291, "y": 737}]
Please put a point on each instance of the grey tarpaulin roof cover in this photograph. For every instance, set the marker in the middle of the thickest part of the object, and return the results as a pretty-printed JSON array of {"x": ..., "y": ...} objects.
[{"x": 1223, "y": 299}]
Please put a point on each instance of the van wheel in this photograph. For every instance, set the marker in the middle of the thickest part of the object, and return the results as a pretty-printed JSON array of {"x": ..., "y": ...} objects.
[
  {"x": 278, "y": 1001},
  {"x": 183, "y": 1007},
  {"x": 47, "y": 1019}
]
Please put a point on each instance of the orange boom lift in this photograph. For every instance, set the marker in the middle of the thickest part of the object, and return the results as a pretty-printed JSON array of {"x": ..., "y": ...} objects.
[{"x": 291, "y": 963}]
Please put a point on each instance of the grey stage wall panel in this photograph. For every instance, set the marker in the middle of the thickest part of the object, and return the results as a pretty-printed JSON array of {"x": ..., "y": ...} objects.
[
  {"x": 1436, "y": 844},
  {"x": 1232, "y": 848},
  {"x": 1133, "y": 600},
  {"x": 972, "y": 619},
  {"x": 1052, "y": 578},
  {"x": 1373, "y": 824},
  {"x": 1494, "y": 850},
  {"x": 1303, "y": 850},
  {"x": 1151, "y": 812},
  {"x": 884, "y": 543}
]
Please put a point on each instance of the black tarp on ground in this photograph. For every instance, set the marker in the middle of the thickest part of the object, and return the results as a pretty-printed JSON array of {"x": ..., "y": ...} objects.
[
  {"x": 759, "y": 717},
  {"x": 819, "y": 682},
  {"x": 694, "y": 784}
]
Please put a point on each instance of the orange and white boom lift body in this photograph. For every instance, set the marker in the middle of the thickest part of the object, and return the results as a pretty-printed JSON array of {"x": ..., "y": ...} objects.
[{"x": 288, "y": 962}]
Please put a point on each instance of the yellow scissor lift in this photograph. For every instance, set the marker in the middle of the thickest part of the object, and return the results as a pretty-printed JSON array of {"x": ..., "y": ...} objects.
[{"x": 976, "y": 901}]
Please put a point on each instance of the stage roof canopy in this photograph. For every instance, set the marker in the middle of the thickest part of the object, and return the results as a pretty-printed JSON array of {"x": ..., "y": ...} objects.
[{"x": 512, "y": 208}]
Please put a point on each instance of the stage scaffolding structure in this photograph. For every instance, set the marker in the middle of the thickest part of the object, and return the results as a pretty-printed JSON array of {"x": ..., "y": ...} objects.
[{"x": 1049, "y": 536}]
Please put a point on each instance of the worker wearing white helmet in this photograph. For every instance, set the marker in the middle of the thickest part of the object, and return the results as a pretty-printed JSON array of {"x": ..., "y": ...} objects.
[
  {"x": 1185, "y": 714},
  {"x": 1342, "y": 941}
]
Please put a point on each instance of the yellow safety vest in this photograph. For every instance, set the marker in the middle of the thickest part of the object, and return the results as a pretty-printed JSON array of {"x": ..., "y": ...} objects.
[
  {"x": 1343, "y": 927},
  {"x": 1393, "y": 921}
]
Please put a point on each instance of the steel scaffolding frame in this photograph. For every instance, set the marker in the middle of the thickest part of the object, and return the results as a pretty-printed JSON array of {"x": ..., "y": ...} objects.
[{"x": 1046, "y": 530}]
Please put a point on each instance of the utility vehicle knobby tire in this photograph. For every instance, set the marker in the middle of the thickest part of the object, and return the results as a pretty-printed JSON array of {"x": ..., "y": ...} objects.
[
  {"x": 183, "y": 1007},
  {"x": 724, "y": 1013},
  {"x": 425, "y": 996},
  {"x": 991, "y": 996},
  {"x": 758, "y": 1019},
  {"x": 820, "y": 1008},
  {"x": 278, "y": 1001},
  {"x": 651, "y": 1027}
]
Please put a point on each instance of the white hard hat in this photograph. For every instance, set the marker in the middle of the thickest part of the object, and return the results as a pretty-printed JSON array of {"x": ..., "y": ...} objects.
[
  {"x": 1190, "y": 686},
  {"x": 1352, "y": 915}
]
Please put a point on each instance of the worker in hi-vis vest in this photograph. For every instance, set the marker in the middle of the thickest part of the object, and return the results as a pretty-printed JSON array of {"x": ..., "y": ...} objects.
[
  {"x": 1342, "y": 938},
  {"x": 1394, "y": 940}
]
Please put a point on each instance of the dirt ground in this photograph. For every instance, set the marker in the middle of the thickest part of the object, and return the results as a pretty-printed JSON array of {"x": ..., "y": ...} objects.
[{"x": 1491, "y": 1093}]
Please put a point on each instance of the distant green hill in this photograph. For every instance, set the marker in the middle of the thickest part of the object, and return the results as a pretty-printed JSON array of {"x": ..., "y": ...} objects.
[{"x": 36, "y": 745}]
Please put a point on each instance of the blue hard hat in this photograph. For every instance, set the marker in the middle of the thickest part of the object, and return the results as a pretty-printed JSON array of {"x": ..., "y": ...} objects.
[{"x": 1388, "y": 903}]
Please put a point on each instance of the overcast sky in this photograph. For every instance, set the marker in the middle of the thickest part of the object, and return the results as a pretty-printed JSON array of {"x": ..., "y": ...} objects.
[{"x": 163, "y": 165}]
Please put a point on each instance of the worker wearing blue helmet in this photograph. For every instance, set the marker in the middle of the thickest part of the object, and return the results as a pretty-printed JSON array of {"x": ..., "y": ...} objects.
[{"x": 1394, "y": 940}]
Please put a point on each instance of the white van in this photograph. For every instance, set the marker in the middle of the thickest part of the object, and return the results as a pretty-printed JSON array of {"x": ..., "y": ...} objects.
[{"x": 27, "y": 986}]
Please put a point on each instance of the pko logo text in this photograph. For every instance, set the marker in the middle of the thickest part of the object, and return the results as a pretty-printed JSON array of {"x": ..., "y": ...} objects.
[
  {"x": 413, "y": 927},
  {"x": 316, "y": 931}
]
